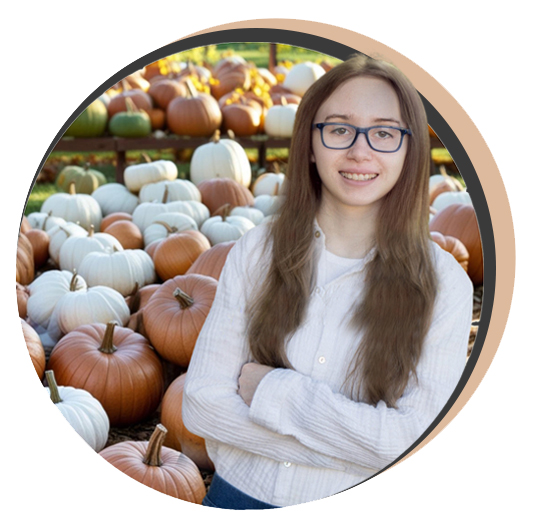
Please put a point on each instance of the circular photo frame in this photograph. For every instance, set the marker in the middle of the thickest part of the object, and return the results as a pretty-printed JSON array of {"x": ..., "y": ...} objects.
[{"x": 456, "y": 133}]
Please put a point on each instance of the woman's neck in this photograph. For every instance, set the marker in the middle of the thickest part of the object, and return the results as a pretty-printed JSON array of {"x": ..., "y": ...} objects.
[{"x": 349, "y": 232}]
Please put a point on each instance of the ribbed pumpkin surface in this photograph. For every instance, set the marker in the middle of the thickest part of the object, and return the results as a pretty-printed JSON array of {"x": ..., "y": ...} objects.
[{"x": 211, "y": 262}]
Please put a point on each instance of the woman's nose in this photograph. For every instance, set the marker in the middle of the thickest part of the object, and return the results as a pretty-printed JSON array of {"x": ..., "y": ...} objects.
[{"x": 360, "y": 149}]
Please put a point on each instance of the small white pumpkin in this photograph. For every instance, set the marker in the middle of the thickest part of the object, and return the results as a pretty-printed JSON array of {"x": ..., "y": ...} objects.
[
  {"x": 119, "y": 270},
  {"x": 220, "y": 158},
  {"x": 254, "y": 215},
  {"x": 265, "y": 184},
  {"x": 115, "y": 198},
  {"x": 302, "y": 76},
  {"x": 225, "y": 228},
  {"x": 72, "y": 207},
  {"x": 279, "y": 121},
  {"x": 196, "y": 210},
  {"x": 83, "y": 412},
  {"x": 269, "y": 204},
  {"x": 451, "y": 197},
  {"x": 136, "y": 176},
  {"x": 166, "y": 224},
  {"x": 45, "y": 221},
  {"x": 58, "y": 234},
  {"x": 75, "y": 248},
  {"x": 169, "y": 191},
  {"x": 45, "y": 292}
]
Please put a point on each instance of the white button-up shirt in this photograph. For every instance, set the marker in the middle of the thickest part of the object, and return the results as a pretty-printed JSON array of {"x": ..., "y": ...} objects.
[{"x": 302, "y": 439}]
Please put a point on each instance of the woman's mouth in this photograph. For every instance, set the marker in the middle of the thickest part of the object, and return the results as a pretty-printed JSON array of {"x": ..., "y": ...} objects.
[{"x": 360, "y": 176}]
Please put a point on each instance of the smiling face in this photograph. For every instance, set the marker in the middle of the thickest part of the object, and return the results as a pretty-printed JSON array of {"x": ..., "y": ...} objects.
[{"x": 358, "y": 177}]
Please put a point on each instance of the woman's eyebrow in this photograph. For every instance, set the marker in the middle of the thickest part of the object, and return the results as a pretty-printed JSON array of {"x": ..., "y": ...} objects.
[
  {"x": 387, "y": 120},
  {"x": 347, "y": 118}
]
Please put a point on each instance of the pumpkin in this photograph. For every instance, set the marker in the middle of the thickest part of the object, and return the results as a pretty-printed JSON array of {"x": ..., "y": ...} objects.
[
  {"x": 266, "y": 183},
  {"x": 279, "y": 121},
  {"x": 44, "y": 221},
  {"x": 196, "y": 114},
  {"x": 269, "y": 204},
  {"x": 118, "y": 104},
  {"x": 454, "y": 246},
  {"x": 86, "y": 180},
  {"x": 25, "y": 224},
  {"x": 169, "y": 191},
  {"x": 444, "y": 200},
  {"x": 289, "y": 98},
  {"x": 35, "y": 348},
  {"x": 302, "y": 76},
  {"x": 114, "y": 217},
  {"x": 119, "y": 270},
  {"x": 136, "y": 176},
  {"x": 178, "y": 436},
  {"x": 132, "y": 123},
  {"x": 254, "y": 215},
  {"x": 242, "y": 119},
  {"x": 25, "y": 260},
  {"x": 59, "y": 234},
  {"x": 157, "y": 118},
  {"x": 91, "y": 122},
  {"x": 23, "y": 293},
  {"x": 166, "y": 224},
  {"x": 225, "y": 228},
  {"x": 82, "y": 411},
  {"x": 175, "y": 254},
  {"x": 127, "y": 233},
  {"x": 175, "y": 314},
  {"x": 211, "y": 262},
  {"x": 220, "y": 158},
  {"x": 217, "y": 192},
  {"x": 460, "y": 221},
  {"x": 228, "y": 77},
  {"x": 116, "y": 365},
  {"x": 74, "y": 208},
  {"x": 40, "y": 241},
  {"x": 136, "y": 302},
  {"x": 158, "y": 467},
  {"x": 165, "y": 90},
  {"x": 115, "y": 198}
]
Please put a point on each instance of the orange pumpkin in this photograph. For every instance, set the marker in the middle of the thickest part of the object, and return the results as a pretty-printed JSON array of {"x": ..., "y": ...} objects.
[
  {"x": 161, "y": 468},
  {"x": 113, "y": 217},
  {"x": 454, "y": 246},
  {"x": 25, "y": 225},
  {"x": 216, "y": 192},
  {"x": 136, "y": 302},
  {"x": 25, "y": 260},
  {"x": 175, "y": 254},
  {"x": 127, "y": 233},
  {"x": 116, "y": 365},
  {"x": 23, "y": 294},
  {"x": 459, "y": 221},
  {"x": 175, "y": 314},
  {"x": 211, "y": 262},
  {"x": 40, "y": 241},
  {"x": 178, "y": 436},
  {"x": 165, "y": 90},
  {"x": 35, "y": 348}
]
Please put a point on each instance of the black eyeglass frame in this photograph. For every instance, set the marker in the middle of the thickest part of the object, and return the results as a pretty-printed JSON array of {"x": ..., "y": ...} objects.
[{"x": 360, "y": 130}]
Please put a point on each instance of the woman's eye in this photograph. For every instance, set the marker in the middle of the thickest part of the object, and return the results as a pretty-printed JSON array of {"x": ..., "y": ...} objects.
[
  {"x": 340, "y": 131},
  {"x": 382, "y": 133}
]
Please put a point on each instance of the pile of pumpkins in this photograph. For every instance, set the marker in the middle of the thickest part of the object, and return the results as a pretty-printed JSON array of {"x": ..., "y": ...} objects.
[
  {"x": 113, "y": 288},
  {"x": 197, "y": 100}
]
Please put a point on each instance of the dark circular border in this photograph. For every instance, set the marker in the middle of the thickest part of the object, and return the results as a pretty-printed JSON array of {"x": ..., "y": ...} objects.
[{"x": 435, "y": 119}]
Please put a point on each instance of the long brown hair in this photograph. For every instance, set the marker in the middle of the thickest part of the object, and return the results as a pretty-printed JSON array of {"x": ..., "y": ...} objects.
[{"x": 400, "y": 289}]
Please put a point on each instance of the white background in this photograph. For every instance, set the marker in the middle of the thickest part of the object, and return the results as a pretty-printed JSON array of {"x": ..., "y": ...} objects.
[{"x": 55, "y": 54}]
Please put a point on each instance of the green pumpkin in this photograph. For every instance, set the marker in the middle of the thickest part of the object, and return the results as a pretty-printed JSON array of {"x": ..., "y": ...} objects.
[
  {"x": 131, "y": 123},
  {"x": 92, "y": 122},
  {"x": 85, "y": 180}
]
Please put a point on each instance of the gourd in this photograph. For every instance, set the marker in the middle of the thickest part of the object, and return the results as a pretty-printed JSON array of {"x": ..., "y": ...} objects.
[
  {"x": 91, "y": 122},
  {"x": 166, "y": 224},
  {"x": 85, "y": 180},
  {"x": 220, "y": 158},
  {"x": 44, "y": 221},
  {"x": 113, "y": 198},
  {"x": 116, "y": 365},
  {"x": 136, "y": 176},
  {"x": 279, "y": 121},
  {"x": 302, "y": 76},
  {"x": 82, "y": 411},
  {"x": 269, "y": 204},
  {"x": 211, "y": 262},
  {"x": 132, "y": 123},
  {"x": 225, "y": 228},
  {"x": 158, "y": 467},
  {"x": 169, "y": 191},
  {"x": 254, "y": 215},
  {"x": 59, "y": 234},
  {"x": 40, "y": 241},
  {"x": 178, "y": 436},
  {"x": 108, "y": 220},
  {"x": 118, "y": 104},
  {"x": 127, "y": 233},
  {"x": 447, "y": 198},
  {"x": 165, "y": 90},
  {"x": 175, "y": 314},
  {"x": 217, "y": 192},
  {"x": 266, "y": 183}
]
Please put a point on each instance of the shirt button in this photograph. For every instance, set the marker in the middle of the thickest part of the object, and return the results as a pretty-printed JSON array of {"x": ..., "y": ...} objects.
[
  {"x": 317, "y": 234},
  {"x": 287, "y": 464},
  {"x": 321, "y": 360},
  {"x": 317, "y": 290}
]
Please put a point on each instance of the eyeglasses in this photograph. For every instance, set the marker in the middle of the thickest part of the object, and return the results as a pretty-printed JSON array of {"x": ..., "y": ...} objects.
[{"x": 384, "y": 139}]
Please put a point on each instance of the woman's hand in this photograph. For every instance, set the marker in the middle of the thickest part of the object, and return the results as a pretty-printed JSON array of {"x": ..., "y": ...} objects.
[{"x": 250, "y": 376}]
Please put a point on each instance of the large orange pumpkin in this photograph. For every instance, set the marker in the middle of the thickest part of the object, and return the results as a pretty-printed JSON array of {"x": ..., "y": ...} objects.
[
  {"x": 211, "y": 262},
  {"x": 175, "y": 314},
  {"x": 216, "y": 192},
  {"x": 161, "y": 468},
  {"x": 35, "y": 348},
  {"x": 116, "y": 365},
  {"x": 178, "y": 436},
  {"x": 459, "y": 221},
  {"x": 25, "y": 260}
]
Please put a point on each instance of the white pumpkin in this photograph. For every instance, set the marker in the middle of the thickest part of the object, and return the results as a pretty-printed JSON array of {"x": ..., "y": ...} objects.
[
  {"x": 72, "y": 207},
  {"x": 75, "y": 248},
  {"x": 145, "y": 213},
  {"x": 87, "y": 306},
  {"x": 136, "y": 176},
  {"x": 115, "y": 198},
  {"x": 83, "y": 412},
  {"x": 266, "y": 183},
  {"x": 302, "y": 76},
  {"x": 169, "y": 191},
  {"x": 57, "y": 236},
  {"x": 269, "y": 204},
  {"x": 254, "y": 215},
  {"x": 45, "y": 221},
  {"x": 166, "y": 224},
  {"x": 196, "y": 210},
  {"x": 119, "y": 270},
  {"x": 279, "y": 121},
  {"x": 45, "y": 292},
  {"x": 451, "y": 197},
  {"x": 223, "y": 229},
  {"x": 220, "y": 158}
]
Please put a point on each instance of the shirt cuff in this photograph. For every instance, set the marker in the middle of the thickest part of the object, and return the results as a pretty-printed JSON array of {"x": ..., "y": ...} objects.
[{"x": 271, "y": 396}]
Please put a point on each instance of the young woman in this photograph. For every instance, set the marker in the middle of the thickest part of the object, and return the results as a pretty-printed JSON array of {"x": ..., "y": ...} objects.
[{"x": 339, "y": 329}]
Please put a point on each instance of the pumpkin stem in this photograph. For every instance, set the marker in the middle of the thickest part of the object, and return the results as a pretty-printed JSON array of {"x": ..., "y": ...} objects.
[
  {"x": 153, "y": 455},
  {"x": 53, "y": 387},
  {"x": 276, "y": 168},
  {"x": 227, "y": 208},
  {"x": 72, "y": 189},
  {"x": 91, "y": 230},
  {"x": 43, "y": 226},
  {"x": 276, "y": 189},
  {"x": 183, "y": 299},
  {"x": 168, "y": 228},
  {"x": 107, "y": 342},
  {"x": 130, "y": 106},
  {"x": 190, "y": 88},
  {"x": 216, "y": 136},
  {"x": 146, "y": 157},
  {"x": 72, "y": 285},
  {"x": 231, "y": 134},
  {"x": 283, "y": 101}
]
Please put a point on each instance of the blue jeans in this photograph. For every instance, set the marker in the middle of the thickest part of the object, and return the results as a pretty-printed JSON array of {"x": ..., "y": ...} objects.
[{"x": 223, "y": 495}]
